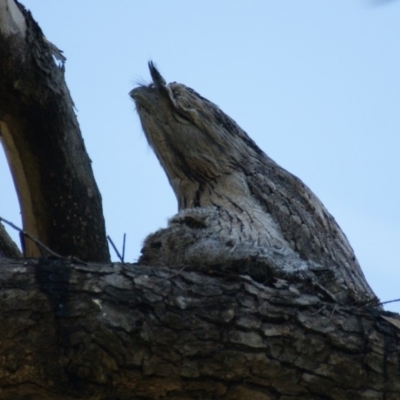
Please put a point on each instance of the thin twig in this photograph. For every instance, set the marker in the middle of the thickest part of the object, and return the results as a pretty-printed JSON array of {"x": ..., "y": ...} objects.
[
  {"x": 115, "y": 249},
  {"x": 319, "y": 310},
  {"x": 173, "y": 275},
  {"x": 40, "y": 244},
  {"x": 36, "y": 241},
  {"x": 123, "y": 248},
  {"x": 333, "y": 312},
  {"x": 387, "y": 302}
]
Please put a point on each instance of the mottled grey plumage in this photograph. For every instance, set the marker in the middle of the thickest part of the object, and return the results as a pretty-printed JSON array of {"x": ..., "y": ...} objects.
[{"x": 234, "y": 200}]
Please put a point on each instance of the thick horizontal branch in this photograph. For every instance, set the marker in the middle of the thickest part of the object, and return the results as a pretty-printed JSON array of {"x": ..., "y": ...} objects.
[{"x": 127, "y": 331}]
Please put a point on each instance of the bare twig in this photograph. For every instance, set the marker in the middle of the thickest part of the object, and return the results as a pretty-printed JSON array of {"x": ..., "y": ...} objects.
[
  {"x": 39, "y": 243},
  {"x": 36, "y": 241},
  {"x": 389, "y": 301},
  {"x": 115, "y": 249},
  {"x": 123, "y": 248},
  {"x": 173, "y": 275}
]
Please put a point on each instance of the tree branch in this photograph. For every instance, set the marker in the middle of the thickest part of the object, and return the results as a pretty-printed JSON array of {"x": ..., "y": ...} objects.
[
  {"x": 7, "y": 246},
  {"x": 128, "y": 331},
  {"x": 59, "y": 198}
]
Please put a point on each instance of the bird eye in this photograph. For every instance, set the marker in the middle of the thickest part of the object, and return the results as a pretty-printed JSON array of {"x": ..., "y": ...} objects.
[{"x": 182, "y": 118}]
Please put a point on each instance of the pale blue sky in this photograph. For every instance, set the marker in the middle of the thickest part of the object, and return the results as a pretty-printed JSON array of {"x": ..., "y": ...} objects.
[{"x": 315, "y": 83}]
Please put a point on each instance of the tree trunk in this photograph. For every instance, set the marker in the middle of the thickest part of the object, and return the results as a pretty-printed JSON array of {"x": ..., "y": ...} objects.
[
  {"x": 58, "y": 196},
  {"x": 119, "y": 331}
]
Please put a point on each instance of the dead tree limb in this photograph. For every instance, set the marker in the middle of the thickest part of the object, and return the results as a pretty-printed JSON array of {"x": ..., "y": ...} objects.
[
  {"x": 7, "y": 246},
  {"x": 59, "y": 199}
]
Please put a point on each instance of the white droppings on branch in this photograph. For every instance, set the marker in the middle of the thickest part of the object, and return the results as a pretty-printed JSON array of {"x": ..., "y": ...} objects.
[{"x": 97, "y": 302}]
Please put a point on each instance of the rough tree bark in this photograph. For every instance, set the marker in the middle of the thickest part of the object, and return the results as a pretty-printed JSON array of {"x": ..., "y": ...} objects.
[
  {"x": 133, "y": 332},
  {"x": 59, "y": 199},
  {"x": 262, "y": 297},
  {"x": 7, "y": 246}
]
